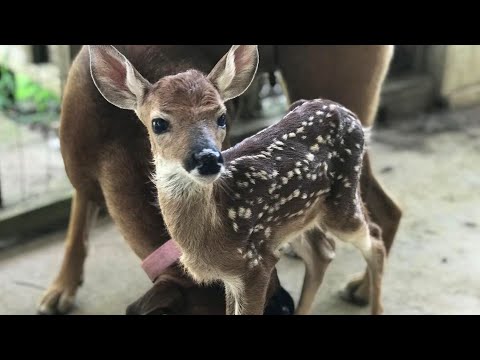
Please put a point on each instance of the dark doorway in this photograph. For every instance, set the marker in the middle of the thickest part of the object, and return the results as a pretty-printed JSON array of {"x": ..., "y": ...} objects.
[
  {"x": 407, "y": 60},
  {"x": 40, "y": 54}
]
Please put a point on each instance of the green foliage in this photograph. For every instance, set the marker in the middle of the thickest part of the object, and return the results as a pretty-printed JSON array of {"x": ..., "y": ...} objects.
[
  {"x": 7, "y": 88},
  {"x": 27, "y": 90},
  {"x": 18, "y": 88}
]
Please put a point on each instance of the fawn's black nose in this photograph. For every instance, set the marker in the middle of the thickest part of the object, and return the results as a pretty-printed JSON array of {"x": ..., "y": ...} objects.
[{"x": 206, "y": 162}]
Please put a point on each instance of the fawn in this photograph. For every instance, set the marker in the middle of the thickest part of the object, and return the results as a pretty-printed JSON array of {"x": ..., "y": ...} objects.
[{"x": 230, "y": 211}]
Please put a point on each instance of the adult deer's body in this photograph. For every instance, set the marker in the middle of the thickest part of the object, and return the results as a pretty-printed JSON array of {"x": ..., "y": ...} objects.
[
  {"x": 230, "y": 212},
  {"x": 107, "y": 154}
]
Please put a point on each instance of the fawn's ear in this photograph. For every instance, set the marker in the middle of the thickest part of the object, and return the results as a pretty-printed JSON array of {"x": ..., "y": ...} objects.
[
  {"x": 234, "y": 73},
  {"x": 116, "y": 78}
]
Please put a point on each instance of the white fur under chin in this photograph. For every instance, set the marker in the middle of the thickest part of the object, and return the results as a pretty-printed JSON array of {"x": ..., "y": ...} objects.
[{"x": 173, "y": 180}]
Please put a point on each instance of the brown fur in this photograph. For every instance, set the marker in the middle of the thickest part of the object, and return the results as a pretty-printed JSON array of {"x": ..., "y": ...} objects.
[{"x": 106, "y": 151}]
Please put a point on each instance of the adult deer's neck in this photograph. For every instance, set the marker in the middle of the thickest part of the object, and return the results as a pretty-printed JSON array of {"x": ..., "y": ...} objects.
[{"x": 190, "y": 210}]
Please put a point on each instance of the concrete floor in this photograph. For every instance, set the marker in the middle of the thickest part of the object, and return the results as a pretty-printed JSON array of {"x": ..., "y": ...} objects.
[{"x": 429, "y": 163}]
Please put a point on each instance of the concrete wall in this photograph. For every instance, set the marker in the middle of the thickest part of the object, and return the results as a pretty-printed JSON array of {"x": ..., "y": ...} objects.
[
  {"x": 456, "y": 70},
  {"x": 60, "y": 56}
]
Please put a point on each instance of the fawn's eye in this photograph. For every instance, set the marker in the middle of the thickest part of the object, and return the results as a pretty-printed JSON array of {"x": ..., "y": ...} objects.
[
  {"x": 159, "y": 125},
  {"x": 222, "y": 121}
]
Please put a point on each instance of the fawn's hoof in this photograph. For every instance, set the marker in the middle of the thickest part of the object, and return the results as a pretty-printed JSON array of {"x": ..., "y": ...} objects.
[
  {"x": 356, "y": 292},
  {"x": 57, "y": 300}
]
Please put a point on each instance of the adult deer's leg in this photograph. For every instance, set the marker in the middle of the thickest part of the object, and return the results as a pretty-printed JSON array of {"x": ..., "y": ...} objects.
[
  {"x": 60, "y": 296},
  {"x": 131, "y": 201},
  {"x": 352, "y": 76}
]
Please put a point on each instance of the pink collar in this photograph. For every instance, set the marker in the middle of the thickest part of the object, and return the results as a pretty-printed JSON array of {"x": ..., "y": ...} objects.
[{"x": 160, "y": 259}]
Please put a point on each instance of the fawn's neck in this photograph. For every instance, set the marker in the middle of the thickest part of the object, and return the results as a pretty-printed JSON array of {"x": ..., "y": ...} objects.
[{"x": 189, "y": 209}]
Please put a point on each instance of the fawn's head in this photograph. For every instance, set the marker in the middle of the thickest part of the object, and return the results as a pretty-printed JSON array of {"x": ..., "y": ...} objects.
[{"x": 183, "y": 113}]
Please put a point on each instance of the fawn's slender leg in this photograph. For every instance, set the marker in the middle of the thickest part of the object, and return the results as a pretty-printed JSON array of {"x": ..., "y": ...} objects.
[
  {"x": 374, "y": 253},
  {"x": 235, "y": 296},
  {"x": 376, "y": 262},
  {"x": 254, "y": 296},
  {"x": 60, "y": 296},
  {"x": 229, "y": 300},
  {"x": 250, "y": 291},
  {"x": 384, "y": 212},
  {"x": 316, "y": 251}
]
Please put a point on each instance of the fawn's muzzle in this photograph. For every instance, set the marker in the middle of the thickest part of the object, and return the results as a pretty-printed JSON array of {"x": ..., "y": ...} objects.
[{"x": 207, "y": 162}]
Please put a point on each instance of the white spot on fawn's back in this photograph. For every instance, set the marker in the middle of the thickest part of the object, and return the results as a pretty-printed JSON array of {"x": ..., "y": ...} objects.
[{"x": 268, "y": 232}]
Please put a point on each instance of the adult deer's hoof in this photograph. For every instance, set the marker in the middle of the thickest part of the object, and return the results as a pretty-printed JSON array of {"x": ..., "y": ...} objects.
[{"x": 57, "y": 300}]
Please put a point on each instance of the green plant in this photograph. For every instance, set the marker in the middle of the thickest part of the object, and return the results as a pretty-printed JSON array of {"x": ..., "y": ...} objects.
[
  {"x": 27, "y": 90},
  {"x": 18, "y": 88},
  {"x": 7, "y": 88}
]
